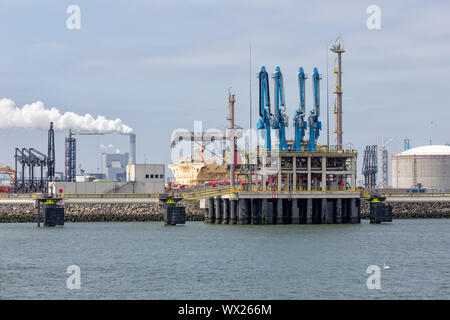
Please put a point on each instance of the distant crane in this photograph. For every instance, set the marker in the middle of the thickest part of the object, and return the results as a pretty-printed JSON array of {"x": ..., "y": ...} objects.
[
  {"x": 313, "y": 121},
  {"x": 299, "y": 119},
  {"x": 264, "y": 107},
  {"x": 384, "y": 162},
  {"x": 280, "y": 120}
]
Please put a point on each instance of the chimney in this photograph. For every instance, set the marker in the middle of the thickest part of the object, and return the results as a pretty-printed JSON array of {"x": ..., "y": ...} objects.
[{"x": 133, "y": 148}]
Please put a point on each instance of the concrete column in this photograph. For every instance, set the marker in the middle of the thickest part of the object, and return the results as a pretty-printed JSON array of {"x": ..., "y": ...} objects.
[
  {"x": 309, "y": 172},
  {"x": 295, "y": 212},
  {"x": 226, "y": 211},
  {"x": 345, "y": 215},
  {"x": 256, "y": 211},
  {"x": 218, "y": 205},
  {"x": 267, "y": 211},
  {"x": 324, "y": 173},
  {"x": 243, "y": 211},
  {"x": 309, "y": 210},
  {"x": 280, "y": 217},
  {"x": 233, "y": 211},
  {"x": 294, "y": 174},
  {"x": 327, "y": 215},
  {"x": 353, "y": 211},
  {"x": 339, "y": 210},
  {"x": 211, "y": 213},
  {"x": 323, "y": 210}
]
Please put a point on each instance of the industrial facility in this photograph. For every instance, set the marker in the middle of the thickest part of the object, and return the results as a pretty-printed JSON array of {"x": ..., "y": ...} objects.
[
  {"x": 426, "y": 167},
  {"x": 278, "y": 179},
  {"x": 291, "y": 181}
]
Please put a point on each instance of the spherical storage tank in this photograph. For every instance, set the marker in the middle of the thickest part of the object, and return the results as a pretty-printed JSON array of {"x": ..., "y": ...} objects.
[{"x": 427, "y": 165}]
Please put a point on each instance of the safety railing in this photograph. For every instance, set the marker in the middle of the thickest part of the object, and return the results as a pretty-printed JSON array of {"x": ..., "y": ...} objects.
[
  {"x": 211, "y": 192},
  {"x": 112, "y": 195}
]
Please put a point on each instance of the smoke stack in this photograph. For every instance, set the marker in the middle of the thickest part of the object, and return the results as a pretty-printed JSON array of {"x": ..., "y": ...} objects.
[{"x": 133, "y": 148}]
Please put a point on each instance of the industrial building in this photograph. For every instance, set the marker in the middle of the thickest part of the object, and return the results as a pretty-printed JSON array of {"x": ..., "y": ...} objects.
[
  {"x": 151, "y": 173},
  {"x": 114, "y": 165},
  {"x": 426, "y": 167},
  {"x": 140, "y": 179}
]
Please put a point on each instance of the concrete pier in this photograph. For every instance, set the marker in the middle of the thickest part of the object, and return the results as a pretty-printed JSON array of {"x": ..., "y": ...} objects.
[{"x": 262, "y": 208}]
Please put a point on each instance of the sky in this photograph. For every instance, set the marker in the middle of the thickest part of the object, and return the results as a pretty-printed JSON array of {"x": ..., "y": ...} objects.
[{"x": 160, "y": 65}]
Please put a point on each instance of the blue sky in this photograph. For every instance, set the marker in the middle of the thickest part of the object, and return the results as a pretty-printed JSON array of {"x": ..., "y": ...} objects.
[{"x": 160, "y": 65}]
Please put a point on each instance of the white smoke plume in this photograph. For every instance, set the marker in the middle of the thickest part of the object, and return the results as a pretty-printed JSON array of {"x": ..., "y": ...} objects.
[{"x": 36, "y": 116}]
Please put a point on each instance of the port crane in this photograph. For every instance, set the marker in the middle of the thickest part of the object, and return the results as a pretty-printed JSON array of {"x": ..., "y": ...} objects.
[
  {"x": 313, "y": 121},
  {"x": 280, "y": 120},
  {"x": 265, "y": 114},
  {"x": 299, "y": 119}
]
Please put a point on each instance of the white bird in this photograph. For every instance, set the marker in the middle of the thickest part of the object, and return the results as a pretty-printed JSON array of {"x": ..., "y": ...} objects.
[{"x": 386, "y": 266}]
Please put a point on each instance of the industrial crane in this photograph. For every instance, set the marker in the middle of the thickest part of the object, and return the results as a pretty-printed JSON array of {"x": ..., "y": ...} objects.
[
  {"x": 280, "y": 121},
  {"x": 314, "y": 124},
  {"x": 299, "y": 118},
  {"x": 264, "y": 107}
]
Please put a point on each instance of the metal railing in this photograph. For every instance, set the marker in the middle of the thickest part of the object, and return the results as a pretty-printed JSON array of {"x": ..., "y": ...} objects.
[{"x": 112, "y": 195}]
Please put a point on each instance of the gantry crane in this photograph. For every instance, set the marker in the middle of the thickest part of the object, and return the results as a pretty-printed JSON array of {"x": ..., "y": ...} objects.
[
  {"x": 264, "y": 107},
  {"x": 299, "y": 119},
  {"x": 313, "y": 121},
  {"x": 280, "y": 120}
]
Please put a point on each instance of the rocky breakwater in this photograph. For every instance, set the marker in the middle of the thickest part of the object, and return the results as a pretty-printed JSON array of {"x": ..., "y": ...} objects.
[
  {"x": 412, "y": 210},
  {"x": 93, "y": 212}
]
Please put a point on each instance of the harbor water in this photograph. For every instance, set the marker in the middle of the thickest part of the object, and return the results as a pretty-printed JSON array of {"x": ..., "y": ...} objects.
[{"x": 206, "y": 261}]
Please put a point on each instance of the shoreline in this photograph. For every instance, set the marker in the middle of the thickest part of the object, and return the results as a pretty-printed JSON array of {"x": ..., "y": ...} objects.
[{"x": 22, "y": 213}]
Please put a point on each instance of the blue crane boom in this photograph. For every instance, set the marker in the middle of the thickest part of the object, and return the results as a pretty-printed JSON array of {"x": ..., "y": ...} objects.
[
  {"x": 314, "y": 124},
  {"x": 280, "y": 120},
  {"x": 264, "y": 107},
  {"x": 299, "y": 119}
]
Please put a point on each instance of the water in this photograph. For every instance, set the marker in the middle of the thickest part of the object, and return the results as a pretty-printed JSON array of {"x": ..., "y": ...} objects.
[{"x": 201, "y": 261}]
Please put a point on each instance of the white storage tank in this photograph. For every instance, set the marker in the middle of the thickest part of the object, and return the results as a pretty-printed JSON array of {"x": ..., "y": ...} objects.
[{"x": 428, "y": 166}]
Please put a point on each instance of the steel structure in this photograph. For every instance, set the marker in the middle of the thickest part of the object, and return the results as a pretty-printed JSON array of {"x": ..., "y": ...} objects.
[
  {"x": 264, "y": 107},
  {"x": 280, "y": 120},
  {"x": 29, "y": 158},
  {"x": 51, "y": 154},
  {"x": 299, "y": 119},
  {"x": 384, "y": 163},
  {"x": 370, "y": 167},
  {"x": 70, "y": 158},
  {"x": 338, "y": 48},
  {"x": 313, "y": 121}
]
